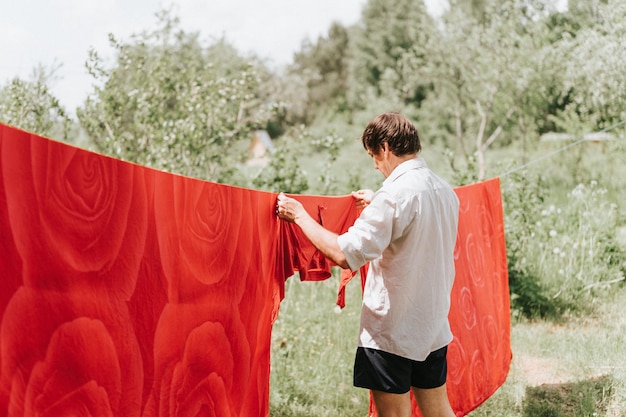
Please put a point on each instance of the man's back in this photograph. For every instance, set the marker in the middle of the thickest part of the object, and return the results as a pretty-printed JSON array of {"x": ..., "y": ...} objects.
[{"x": 406, "y": 298}]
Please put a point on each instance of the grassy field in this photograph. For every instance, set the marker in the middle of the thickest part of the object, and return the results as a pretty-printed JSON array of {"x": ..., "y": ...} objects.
[{"x": 578, "y": 363}]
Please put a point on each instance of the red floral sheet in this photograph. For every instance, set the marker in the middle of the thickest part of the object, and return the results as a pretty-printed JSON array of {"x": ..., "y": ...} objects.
[{"x": 127, "y": 291}]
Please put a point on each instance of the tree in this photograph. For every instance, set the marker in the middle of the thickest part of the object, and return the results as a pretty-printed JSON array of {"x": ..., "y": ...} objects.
[
  {"x": 594, "y": 74},
  {"x": 30, "y": 105},
  {"x": 174, "y": 104},
  {"x": 323, "y": 66},
  {"x": 388, "y": 31},
  {"x": 479, "y": 72}
]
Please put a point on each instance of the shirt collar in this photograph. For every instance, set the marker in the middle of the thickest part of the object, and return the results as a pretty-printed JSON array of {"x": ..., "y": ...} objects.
[{"x": 415, "y": 163}]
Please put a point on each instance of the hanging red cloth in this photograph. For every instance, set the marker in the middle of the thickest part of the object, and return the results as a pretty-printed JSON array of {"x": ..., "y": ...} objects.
[
  {"x": 127, "y": 291},
  {"x": 480, "y": 355}
]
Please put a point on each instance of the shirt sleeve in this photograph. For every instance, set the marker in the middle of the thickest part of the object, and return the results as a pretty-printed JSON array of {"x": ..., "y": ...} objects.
[{"x": 371, "y": 233}]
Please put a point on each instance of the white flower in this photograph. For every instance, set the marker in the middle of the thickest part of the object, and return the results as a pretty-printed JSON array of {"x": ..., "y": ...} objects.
[
  {"x": 553, "y": 233},
  {"x": 556, "y": 251}
]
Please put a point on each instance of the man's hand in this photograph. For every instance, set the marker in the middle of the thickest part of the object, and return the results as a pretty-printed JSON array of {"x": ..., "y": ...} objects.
[
  {"x": 363, "y": 198},
  {"x": 288, "y": 208}
]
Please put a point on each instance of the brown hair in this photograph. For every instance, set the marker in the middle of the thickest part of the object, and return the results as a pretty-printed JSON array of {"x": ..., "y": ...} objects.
[{"x": 396, "y": 130}]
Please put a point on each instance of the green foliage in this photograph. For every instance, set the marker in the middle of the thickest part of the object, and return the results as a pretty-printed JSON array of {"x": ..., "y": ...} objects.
[
  {"x": 462, "y": 175},
  {"x": 596, "y": 59},
  {"x": 561, "y": 258},
  {"x": 30, "y": 105},
  {"x": 323, "y": 67},
  {"x": 284, "y": 173},
  {"x": 172, "y": 104},
  {"x": 478, "y": 70},
  {"x": 522, "y": 199},
  {"x": 389, "y": 30},
  {"x": 330, "y": 145},
  {"x": 579, "y": 253}
]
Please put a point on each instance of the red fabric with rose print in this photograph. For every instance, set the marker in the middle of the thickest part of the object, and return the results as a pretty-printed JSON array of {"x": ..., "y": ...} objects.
[
  {"x": 479, "y": 357},
  {"x": 126, "y": 291}
]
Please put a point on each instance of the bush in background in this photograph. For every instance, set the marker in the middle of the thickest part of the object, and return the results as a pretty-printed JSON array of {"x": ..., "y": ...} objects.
[{"x": 562, "y": 256}]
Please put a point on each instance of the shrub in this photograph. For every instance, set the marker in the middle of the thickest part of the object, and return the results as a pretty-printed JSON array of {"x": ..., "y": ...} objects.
[{"x": 561, "y": 257}]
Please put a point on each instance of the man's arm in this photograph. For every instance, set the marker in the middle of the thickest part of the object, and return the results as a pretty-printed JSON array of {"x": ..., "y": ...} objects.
[{"x": 291, "y": 210}]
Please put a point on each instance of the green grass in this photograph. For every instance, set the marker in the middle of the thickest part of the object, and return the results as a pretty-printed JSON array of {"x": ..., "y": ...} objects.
[
  {"x": 313, "y": 346},
  {"x": 580, "y": 358},
  {"x": 581, "y": 398}
]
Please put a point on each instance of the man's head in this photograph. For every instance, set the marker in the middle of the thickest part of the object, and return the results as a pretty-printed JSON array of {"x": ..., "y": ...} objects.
[{"x": 394, "y": 129}]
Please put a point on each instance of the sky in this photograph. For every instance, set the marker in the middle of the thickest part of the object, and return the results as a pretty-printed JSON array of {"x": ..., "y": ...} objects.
[{"x": 59, "y": 33}]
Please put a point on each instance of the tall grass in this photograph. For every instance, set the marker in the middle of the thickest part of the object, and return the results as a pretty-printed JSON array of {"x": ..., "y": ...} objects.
[
  {"x": 563, "y": 257},
  {"x": 313, "y": 346}
]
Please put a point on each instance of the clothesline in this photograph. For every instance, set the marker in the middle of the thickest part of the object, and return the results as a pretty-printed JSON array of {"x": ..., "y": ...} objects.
[{"x": 557, "y": 151}]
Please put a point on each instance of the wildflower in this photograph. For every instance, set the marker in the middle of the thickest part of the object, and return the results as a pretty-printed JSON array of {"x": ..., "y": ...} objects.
[
  {"x": 553, "y": 233},
  {"x": 578, "y": 191}
]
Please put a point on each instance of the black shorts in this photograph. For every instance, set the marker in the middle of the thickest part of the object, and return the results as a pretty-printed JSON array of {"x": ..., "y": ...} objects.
[{"x": 383, "y": 371}]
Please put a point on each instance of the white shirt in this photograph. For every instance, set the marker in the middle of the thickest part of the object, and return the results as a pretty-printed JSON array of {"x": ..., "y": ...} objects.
[{"x": 407, "y": 233}]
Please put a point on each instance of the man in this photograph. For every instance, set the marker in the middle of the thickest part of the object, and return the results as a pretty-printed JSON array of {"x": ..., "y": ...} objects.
[{"x": 407, "y": 231}]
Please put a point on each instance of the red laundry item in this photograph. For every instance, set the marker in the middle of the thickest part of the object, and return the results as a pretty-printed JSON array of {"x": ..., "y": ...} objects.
[
  {"x": 334, "y": 213},
  {"x": 127, "y": 291},
  {"x": 480, "y": 355}
]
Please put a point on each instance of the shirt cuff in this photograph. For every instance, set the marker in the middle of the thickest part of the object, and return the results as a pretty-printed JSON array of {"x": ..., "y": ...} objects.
[{"x": 353, "y": 255}]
